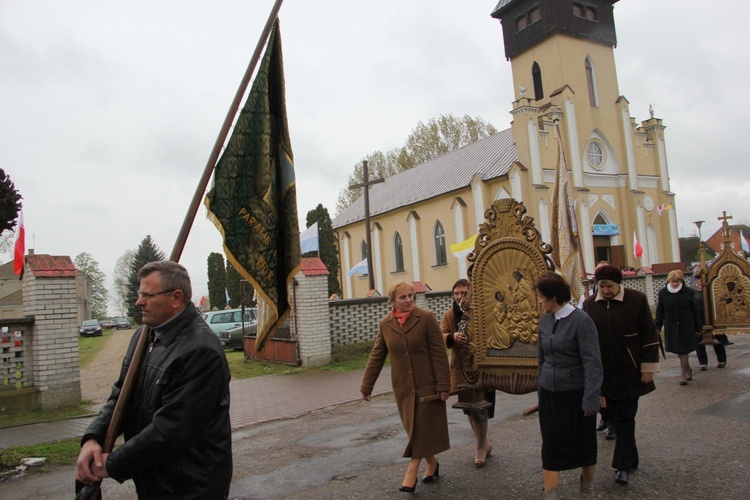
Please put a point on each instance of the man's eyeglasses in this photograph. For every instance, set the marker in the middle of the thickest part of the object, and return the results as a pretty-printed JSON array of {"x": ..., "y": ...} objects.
[{"x": 144, "y": 295}]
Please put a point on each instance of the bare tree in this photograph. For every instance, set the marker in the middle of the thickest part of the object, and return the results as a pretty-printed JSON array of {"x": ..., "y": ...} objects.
[
  {"x": 120, "y": 278},
  {"x": 88, "y": 265},
  {"x": 426, "y": 141}
]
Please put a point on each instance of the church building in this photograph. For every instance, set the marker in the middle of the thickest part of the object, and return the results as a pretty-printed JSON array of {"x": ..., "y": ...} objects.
[{"x": 565, "y": 82}]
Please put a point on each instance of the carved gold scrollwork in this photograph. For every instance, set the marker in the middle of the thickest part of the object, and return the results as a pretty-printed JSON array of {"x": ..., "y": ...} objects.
[{"x": 502, "y": 310}]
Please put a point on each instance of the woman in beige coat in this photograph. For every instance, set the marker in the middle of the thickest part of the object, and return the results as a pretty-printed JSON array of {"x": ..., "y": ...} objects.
[{"x": 419, "y": 368}]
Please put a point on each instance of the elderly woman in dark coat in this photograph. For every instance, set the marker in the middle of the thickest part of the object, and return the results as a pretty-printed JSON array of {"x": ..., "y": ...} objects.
[
  {"x": 419, "y": 368},
  {"x": 677, "y": 312},
  {"x": 570, "y": 378}
]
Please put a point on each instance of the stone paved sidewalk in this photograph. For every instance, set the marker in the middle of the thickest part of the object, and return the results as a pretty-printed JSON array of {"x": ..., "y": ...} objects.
[{"x": 254, "y": 400}]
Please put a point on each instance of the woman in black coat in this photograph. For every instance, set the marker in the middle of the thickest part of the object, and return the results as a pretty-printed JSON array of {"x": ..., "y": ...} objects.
[{"x": 677, "y": 312}]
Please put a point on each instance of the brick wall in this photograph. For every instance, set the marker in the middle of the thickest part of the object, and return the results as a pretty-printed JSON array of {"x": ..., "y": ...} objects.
[
  {"x": 356, "y": 320},
  {"x": 352, "y": 321},
  {"x": 16, "y": 336},
  {"x": 311, "y": 319},
  {"x": 54, "y": 357}
]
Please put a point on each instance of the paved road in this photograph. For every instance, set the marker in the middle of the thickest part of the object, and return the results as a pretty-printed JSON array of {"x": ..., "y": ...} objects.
[{"x": 693, "y": 443}]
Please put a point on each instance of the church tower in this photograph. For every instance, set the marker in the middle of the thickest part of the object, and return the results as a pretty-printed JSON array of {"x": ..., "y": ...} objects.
[{"x": 562, "y": 58}]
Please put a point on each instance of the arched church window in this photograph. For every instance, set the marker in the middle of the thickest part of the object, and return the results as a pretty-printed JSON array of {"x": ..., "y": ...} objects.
[
  {"x": 536, "y": 77},
  {"x": 363, "y": 253},
  {"x": 440, "y": 254},
  {"x": 398, "y": 252},
  {"x": 591, "y": 82}
]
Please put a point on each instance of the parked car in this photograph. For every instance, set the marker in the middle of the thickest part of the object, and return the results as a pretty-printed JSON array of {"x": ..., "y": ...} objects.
[
  {"x": 121, "y": 323},
  {"x": 227, "y": 318},
  {"x": 105, "y": 324},
  {"x": 231, "y": 338},
  {"x": 90, "y": 328}
]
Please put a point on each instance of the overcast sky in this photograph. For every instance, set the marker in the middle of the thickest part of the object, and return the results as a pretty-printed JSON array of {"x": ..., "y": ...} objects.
[{"x": 109, "y": 110}]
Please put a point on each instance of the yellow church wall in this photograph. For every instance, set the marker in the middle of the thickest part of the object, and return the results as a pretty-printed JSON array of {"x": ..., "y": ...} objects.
[
  {"x": 628, "y": 187},
  {"x": 437, "y": 277}
]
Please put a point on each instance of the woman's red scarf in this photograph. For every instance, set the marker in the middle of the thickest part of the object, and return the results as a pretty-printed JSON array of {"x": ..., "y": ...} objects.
[{"x": 401, "y": 317}]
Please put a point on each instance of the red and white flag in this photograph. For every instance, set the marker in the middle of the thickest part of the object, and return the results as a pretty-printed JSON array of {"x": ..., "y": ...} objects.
[
  {"x": 20, "y": 248},
  {"x": 661, "y": 208},
  {"x": 637, "y": 248}
]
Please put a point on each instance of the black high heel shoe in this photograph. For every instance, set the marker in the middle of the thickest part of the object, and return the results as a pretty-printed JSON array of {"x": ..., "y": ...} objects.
[
  {"x": 435, "y": 475},
  {"x": 690, "y": 375},
  {"x": 409, "y": 489}
]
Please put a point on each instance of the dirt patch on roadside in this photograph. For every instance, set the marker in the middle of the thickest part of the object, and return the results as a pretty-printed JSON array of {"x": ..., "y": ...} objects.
[{"x": 97, "y": 378}]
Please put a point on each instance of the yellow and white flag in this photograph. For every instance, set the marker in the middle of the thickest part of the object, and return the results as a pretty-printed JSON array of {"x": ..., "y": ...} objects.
[{"x": 464, "y": 248}]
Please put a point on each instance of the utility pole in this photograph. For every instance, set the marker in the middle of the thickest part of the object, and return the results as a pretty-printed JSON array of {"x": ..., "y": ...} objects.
[{"x": 366, "y": 184}]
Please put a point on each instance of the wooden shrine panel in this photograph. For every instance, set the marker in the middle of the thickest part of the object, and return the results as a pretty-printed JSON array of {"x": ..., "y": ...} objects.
[{"x": 502, "y": 312}]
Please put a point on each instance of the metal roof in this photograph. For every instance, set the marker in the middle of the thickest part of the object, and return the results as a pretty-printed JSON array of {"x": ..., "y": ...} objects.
[
  {"x": 487, "y": 158},
  {"x": 500, "y": 6}
]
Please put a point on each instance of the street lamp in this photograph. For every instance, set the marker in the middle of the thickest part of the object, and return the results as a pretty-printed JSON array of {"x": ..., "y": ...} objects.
[
  {"x": 698, "y": 224},
  {"x": 707, "y": 332}
]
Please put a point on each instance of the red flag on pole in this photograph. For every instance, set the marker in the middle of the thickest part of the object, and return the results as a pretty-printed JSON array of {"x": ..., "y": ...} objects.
[
  {"x": 20, "y": 248},
  {"x": 637, "y": 248}
]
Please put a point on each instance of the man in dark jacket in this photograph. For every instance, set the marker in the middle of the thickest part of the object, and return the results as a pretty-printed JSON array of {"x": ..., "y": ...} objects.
[
  {"x": 178, "y": 441},
  {"x": 629, "y": 345}
]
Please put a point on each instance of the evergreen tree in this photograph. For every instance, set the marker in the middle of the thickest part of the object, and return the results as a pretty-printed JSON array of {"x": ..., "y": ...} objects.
[
  {"x": 147, "y": 252},
  {"x": 86, "y": 264},
  {"x": 10, "y": 205},
  {"x": 10, "y": 202},
  {"x": 217, "y": 281},
  {"x": 327, "y": 244},
  {"x": 233, "y": 286}
]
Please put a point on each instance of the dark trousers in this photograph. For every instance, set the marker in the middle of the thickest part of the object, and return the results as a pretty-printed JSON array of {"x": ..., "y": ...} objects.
[
  {"x": 719, "y": 349},
  {"x": 622, "y": 414}
]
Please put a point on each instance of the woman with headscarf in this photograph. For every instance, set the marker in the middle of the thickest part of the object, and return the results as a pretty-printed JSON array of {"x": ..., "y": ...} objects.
[
  {"x": 419, "y": 370},
  {"x": 677, "y": 312}
]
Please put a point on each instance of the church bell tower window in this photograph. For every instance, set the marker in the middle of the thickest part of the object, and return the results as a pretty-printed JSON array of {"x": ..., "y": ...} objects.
[
  {"x": 536, "y": 77},
  {"x": 585, "y": 11}
]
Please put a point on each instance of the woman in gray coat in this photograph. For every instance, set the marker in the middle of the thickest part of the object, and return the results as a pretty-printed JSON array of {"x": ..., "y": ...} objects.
[{"x": 570, "y": 380}]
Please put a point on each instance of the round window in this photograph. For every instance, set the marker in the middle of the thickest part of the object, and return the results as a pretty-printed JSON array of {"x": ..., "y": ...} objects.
[{"x": 595, "y": 155}]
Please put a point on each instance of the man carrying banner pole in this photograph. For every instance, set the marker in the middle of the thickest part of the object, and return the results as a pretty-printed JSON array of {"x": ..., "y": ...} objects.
[{"x": 131, "y": 372}]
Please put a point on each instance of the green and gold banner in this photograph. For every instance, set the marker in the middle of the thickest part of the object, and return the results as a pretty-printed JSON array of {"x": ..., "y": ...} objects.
[{"x": 253, "y": 200}]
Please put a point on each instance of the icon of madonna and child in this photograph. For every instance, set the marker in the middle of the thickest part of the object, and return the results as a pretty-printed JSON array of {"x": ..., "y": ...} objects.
[{"x": 515, "y": 315}]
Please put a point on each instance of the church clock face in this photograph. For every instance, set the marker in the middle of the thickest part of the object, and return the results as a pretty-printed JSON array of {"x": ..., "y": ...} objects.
[{"x": 595, "y": 154}]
